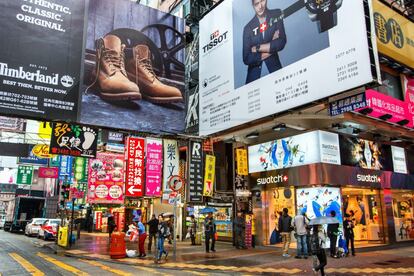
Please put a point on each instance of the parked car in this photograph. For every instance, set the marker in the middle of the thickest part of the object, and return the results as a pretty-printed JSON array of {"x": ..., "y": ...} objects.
[
  {"x": 48, "y": 229},
  {"x": 2, "y": 221},
  {"x": 33, "y": 227}
]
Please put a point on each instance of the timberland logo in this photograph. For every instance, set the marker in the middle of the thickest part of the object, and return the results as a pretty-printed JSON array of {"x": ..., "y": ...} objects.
[
  {"x": 272, "y": 179},
  {"x": 368, "y": 178},
  {"x": 21, "y": 74}
]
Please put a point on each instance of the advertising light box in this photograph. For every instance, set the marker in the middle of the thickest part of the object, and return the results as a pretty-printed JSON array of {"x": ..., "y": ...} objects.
[
  {"x": 308, "y": 148},
  {"x": 277, "y": 55}
]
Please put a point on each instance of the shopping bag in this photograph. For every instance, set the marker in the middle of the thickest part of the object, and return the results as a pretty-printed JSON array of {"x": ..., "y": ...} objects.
[
  {"x": 342, "y": 244},
  {"x": 275, "y": 237},
  {"x": 187, "y": 236}
]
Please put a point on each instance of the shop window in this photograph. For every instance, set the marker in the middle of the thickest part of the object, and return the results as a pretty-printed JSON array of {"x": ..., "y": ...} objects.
[
  {"x": 391, "y": 85},
  {"x": 403, "y": 209},
  {"x": 278, "y": 199}
]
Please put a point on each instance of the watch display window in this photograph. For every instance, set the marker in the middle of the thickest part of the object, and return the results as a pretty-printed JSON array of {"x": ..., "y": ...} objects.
[{"x": 403, "y": 210}]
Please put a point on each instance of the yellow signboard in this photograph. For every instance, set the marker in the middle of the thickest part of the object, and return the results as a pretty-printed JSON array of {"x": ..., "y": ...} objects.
[
  {"x": 209, "y": 176},
  {"x": 42, "y": 151},
  {"x": 241, "y": 157},
  {"x": 395, "y": 35},
  {"x": 63, "y": 236}
]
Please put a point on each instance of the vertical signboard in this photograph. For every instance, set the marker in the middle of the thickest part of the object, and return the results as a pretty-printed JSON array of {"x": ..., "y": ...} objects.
[
  {"x": 40, "y": 57},
  {"x": 241, "y": 157},
  {"x": 195, "y": 174},
  {"x": 65, "y": 166},
  {"x": 210, "y": 175},
  {"x": 24, "y": 175},
  {"x": 153, "y": 177},
  {"x": 98, "y": 220},
  {"x": 134, "y": 155},
  {"x": 398, "y": 160},
  {"x": 81, "y": 169},
  {"x": 171, "y": 165},
  {"x": 106, "y": 179}
]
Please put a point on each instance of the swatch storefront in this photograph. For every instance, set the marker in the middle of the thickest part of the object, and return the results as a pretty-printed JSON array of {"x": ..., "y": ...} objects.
[{"x": 318, "y": 171}]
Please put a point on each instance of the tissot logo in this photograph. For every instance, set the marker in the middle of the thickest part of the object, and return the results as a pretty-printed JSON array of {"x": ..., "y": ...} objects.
[
  {"x": 272, "y": 179},
  {"x": 215, "y": 39},
  {"x": 368, "y": 178}
]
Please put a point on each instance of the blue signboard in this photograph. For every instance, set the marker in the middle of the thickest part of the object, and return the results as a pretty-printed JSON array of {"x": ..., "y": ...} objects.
[
  {"x": 347, "y": 104},
  {"x": 65, "y": 168},
  {"x": 33, "y": 159}
]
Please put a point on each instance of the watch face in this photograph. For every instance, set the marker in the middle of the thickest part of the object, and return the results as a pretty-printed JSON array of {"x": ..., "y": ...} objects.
[{"x": 318, "y": 6}]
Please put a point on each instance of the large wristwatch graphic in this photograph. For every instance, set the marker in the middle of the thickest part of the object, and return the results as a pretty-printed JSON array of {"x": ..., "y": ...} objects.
[{"x": 323, "y": 12}]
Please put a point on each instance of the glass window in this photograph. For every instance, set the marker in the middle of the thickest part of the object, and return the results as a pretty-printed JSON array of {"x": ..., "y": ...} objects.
[
  {"x": 391, "y": 86},
  {"x": 403, "y": 209}
]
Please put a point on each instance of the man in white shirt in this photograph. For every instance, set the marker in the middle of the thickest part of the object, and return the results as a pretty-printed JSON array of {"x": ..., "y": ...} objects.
[{"x": 300, "y": 223}]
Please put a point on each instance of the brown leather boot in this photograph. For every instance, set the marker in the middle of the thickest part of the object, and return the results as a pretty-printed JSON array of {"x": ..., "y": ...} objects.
[
  {"x": 110, "y": 71},
  {"x": 140, "y": 71}
]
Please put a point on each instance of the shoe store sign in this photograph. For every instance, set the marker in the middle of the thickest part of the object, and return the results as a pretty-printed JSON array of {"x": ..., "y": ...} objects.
[{"x": 74, "y": 140}]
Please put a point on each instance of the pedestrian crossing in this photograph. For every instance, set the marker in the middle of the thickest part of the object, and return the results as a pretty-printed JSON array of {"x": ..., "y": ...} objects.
[{"x": 26, "y": 265}]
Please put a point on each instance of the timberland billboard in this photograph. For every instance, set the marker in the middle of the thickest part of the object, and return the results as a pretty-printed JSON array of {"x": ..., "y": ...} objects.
[{"x": 133, "y": 77}]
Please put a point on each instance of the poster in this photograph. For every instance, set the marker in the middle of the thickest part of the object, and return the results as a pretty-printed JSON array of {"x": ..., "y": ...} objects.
[
  {"x": 106, "y": 179},
  {"x": 153, "y": 173},
  {"x": 289, "y": 59},
  {"x": 40, "y": 60},
  {"x": 148, "y": 91},
  {"x": 74, "y": 140},
  {"x": 398, "y": 160},
  {"x": 195, "y": 174},
  {"x": 171, "y": 165},
  {"x": 134, "y": 174},
  {"x": 241, "y": 157},
  {"x": 24, "y": 175},
  {"x": 210, "y": 175}
]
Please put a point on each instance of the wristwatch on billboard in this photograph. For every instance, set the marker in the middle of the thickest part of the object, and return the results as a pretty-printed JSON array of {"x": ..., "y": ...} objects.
[{"x": 323, "y": 12}]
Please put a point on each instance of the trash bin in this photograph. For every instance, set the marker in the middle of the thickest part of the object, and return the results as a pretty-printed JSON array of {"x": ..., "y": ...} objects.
[
  {"x": 117, "y": 247},
  {"x": 63, "y": 236}
]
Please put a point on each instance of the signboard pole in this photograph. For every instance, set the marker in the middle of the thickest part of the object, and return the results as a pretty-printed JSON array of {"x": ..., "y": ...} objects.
[
  {"x": 174, "y": 231},
  {"x": 71, "y": 222}
]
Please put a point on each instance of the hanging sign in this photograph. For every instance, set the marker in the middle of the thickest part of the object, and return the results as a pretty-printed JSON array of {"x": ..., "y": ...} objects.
[
  {"x": 25, "y": 175},
  {"x": 209, "y": 176},
  {"x": 195, "y": 174},
  {"x": 74, "y": 140},
  {"x": 153, "y": 167},
  {"x": 134, "y": 155},
  {"x": 48, "y": 172},
  {"x": 171, "y": 165},
  {"x": 241, "y": 157},
  {"x": 41, "y": 151},
  {"x": 65, "y": 166},
  {"x": 81, "y": 169}
]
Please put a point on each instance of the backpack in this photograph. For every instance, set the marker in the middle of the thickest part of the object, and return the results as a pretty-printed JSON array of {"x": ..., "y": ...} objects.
[{"x": 164, "y": 231}]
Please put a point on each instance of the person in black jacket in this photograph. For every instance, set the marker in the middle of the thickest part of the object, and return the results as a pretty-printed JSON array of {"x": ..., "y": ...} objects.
[
  {"x": 111, "y": 224},
  {"x": 285, "y": 228},
  {"x": 239, "y": 229},
  {"x": 153, "y": 229},
  {"x": 349, "y": 234},
  {"x": 333, "y": 230},
  {"x": 263, "y": 37}
]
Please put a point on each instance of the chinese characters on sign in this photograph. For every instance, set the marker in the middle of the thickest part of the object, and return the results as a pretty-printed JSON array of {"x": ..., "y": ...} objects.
[
  {"x": 81, "y": 169},
  {"x": 73, "y": 140},
  {"x": 106, "y": 179},
  {"x": 347, "y": 105},
  {"x": 171, "y": 165},
  {"x": 65, "y": 167},
  {"x": 241, "y": 157},
  {"x": 24, "y": 175},
  {"x": 134, "y": 155},
  {"x": 48, "y": 172},
  {"x": 153, "y": 168},
  {"x": 195, "y": 177},
  {"x": 209, "y": 176}
]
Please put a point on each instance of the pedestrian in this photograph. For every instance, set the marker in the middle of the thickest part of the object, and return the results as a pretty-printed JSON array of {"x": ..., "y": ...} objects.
[
  {"x": 239, "y": 230},
  {"x": 299, "y": 224},
  {"x": 318, "y": 240},
  {"x": 192, "y": 229},
  {"x": 111, "y": 224},
  {"x": 333, "y": 232},
  {"x": 141, "y": 239},
  {"x": 285, "y": 228},
  {"x": 349, "y": 234},
  {"x": 210, "y": 232},
  {"x": 170, "y": 223},
  {"x": 153, "y": 229},
  {"x": 163, "y": 233}
]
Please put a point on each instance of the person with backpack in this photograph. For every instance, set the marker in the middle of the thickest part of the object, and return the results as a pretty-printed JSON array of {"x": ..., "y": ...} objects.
[
  {"x": 285, "y": 228},
  {"x": 318, "y": 239},
  {"x": 349, "y": 234},
  {"x": 163, "y": 233},
  {"x": 299, "y": 224},
  {"x": 333, "y": 232}
]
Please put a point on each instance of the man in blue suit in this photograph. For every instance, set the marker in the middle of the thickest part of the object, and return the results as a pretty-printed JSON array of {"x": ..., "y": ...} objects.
[{"x": 263, "y": 37}]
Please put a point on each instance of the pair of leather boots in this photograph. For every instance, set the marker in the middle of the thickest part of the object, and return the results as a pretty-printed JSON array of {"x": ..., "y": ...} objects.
[{"x": 132, "y": 79}]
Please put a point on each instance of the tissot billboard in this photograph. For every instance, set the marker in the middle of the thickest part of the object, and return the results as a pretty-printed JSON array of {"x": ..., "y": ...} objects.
[
  {"x": 40, "y": 54},
  {"x": 264, "y": 57}
]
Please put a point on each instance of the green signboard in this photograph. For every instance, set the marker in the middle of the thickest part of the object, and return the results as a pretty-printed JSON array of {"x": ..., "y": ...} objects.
[
  {"x": 25, "y": 175},
  {"x": 81, "y": 169},
  {"x": 54, "y": 161}
]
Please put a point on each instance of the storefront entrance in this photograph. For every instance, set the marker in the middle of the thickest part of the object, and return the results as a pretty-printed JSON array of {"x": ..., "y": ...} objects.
[
  {"x": 403, "y": 210},
  {"x": 364, "y": 206}
]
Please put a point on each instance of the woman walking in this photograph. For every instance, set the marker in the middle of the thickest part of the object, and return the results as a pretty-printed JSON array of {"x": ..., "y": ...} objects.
[{"x": 163, "y": 233}]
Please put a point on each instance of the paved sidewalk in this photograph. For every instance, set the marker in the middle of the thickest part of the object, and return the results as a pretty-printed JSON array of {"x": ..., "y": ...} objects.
[{"x": 257, "y": 260}]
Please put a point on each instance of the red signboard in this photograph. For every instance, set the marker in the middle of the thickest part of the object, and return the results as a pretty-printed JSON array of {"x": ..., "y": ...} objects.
[
  {"x": 98, "y": 220},
  {"x": 409, "y": 99},
  {"x": 134, "y": 155},
  {"x": 48, "y": 172}
]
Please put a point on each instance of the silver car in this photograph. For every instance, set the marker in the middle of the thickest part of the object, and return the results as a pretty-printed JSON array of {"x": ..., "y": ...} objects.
[{"x": 33, "y": 227}]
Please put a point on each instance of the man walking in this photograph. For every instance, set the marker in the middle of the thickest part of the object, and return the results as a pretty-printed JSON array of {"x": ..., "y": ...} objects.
[
  {"x": 192, "y": 229},
  {"x": 349, "y": 234},
  {"x": 239, "y": 229},
  {"x": 210, "y": 232},
  {"x": 300, "y": 223},
  {"x": 153, "y": 229},
  {"x": 333, "y": 235},
  {"x": 285, "y": 229}
]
